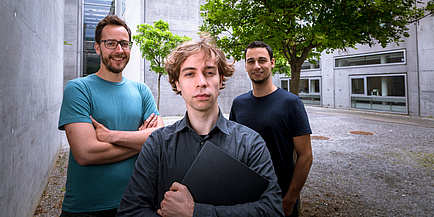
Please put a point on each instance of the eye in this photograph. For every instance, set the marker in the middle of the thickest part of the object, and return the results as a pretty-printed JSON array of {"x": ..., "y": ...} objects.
[
  {"x": 125, "y": 43},
  {"x": 210, "y": 73},
  {"x": 188, "y": 74},
  {"x": 110, "y": 43}
]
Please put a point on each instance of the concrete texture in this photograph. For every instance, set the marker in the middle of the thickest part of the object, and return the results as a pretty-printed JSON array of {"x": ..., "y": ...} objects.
[
  {"x": 73, "y": 30},
  {"x": 184, "y": 19},
  {"x": 31, "y": 83},
  {"x": 387, "y": 172}
]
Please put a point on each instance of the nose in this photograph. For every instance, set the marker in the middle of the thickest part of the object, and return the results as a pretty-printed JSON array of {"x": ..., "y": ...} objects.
[
  {"x": 200, "y": 80},
  {"x": 118, "y": 48},
  {"x": 257, "y": 66}
]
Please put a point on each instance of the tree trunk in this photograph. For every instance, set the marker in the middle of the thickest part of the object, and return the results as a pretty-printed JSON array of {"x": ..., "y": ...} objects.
[
  {"x": 295, "y": 77},
  {"x": 158, "y": 99}
]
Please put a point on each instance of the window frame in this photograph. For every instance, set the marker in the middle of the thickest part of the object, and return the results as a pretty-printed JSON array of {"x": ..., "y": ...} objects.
[
  {"x": 337, "y": 58},
  {"x": 310, "y": 93},
  {"x": 376, "y": 98}
]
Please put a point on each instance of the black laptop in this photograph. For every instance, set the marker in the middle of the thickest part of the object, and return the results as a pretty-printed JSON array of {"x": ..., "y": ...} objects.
[{"x": 217, "y": 178}]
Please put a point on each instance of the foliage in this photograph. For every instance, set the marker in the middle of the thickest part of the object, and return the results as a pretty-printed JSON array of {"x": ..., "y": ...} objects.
[
  {"x": 156, "y": 42},
  {"x": 300, "y": 30}
]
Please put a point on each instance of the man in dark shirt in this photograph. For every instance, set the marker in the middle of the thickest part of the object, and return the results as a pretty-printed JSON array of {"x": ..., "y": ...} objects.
[
  {"x": 197, "y": 71},
  {"x": 280, "y": 118}
]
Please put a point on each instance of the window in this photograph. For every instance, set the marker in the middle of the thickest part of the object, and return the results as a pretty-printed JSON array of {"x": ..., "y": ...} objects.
[
  {"x": 357, "y": 86},
  {"x": 394, "y": 57},
  {"x": 384, "y": 93},
  {"x": 309, "y": 90},
  {"x": 94, "y": 11},
  {"x": 308, "y": 65},
  {"x": 284, "y": 84}
]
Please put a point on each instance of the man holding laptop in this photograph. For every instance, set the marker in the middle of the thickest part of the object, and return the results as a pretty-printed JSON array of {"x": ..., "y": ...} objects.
[{"x": 197, "y": 71}]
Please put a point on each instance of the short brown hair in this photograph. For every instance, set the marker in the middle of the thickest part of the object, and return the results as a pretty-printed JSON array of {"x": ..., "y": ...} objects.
[
  {"x": 181, "y": 53},
  {"x": 110, "y": 20},
  {"x": 261, "y": 44}
]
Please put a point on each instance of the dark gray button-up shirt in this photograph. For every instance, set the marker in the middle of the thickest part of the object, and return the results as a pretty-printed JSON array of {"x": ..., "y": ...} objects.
[{"x": 168, "y": 154}]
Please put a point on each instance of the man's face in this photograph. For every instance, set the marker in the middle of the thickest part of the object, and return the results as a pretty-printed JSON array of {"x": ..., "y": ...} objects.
[
  {"x": 114, "y": 60},
  {"x": 199, "y": 82},
  {"x": 258, "y": 64}
]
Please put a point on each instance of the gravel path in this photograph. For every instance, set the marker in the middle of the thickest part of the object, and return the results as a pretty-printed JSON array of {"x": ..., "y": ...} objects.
[{"x": 365, "y": 164}]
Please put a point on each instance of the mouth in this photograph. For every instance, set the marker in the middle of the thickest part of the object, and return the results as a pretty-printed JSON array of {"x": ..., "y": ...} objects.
[
  {"x": 117, "y": 59},
  {"x": 257, "y": 73},
  {"x": 202, "y": 96}
]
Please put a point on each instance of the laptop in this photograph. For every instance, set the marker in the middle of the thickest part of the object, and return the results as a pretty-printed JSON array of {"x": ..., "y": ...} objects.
[{"x": 217, "y": 178}]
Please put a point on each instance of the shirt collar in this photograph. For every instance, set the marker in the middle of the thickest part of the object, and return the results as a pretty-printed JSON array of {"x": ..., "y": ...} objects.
[{"x": 221, "y": 124}]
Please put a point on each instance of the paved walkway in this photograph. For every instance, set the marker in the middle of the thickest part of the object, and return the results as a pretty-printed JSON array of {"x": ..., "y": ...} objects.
[
  {"x": 367, "y": 164},
  {"x": 370, "y": 164}
]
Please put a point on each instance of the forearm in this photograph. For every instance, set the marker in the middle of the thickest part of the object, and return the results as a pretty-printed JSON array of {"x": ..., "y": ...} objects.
[
  {"x": 87, "y": 150},
  {"x": 108, "y": 153},
  {"x": 130, "y": 139},
  {"x": 101, "y": 153},
  {"x": 301, "y": 171}
]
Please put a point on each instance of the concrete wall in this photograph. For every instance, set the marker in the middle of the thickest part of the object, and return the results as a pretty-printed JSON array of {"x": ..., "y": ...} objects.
[
  {"x": 184, "y": 19},
  {"x": 419, "y": 50},
  {"x": 31, "y": 84},
  {"x": 425, "y": 41},
  {"x": 73, "y": 30}
]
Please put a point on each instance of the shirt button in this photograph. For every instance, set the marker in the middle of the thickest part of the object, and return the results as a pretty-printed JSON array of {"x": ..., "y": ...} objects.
[{"x": 201, "y": 143}]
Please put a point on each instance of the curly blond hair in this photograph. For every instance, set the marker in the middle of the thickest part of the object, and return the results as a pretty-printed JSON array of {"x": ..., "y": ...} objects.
[{"x": 177, "y": 57}]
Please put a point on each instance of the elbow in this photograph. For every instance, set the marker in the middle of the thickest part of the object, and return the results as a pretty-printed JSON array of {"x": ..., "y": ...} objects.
[
  {"x": 309, "y": 159},
  {"x": 82, "y": 159},
  {"x": 306, "y": 159}
]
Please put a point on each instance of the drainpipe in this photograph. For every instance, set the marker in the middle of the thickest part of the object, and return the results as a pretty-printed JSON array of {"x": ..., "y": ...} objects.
[{"x": 417, "y": 71}]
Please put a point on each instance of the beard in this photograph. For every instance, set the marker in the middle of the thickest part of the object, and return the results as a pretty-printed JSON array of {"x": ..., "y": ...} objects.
[
  {"x": 261, "y": 81},
  {"x": 106, "y": 61}
]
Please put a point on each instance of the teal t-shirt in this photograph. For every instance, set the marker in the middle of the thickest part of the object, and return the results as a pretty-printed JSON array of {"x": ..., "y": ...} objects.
[{"x": 118, "y": 106}]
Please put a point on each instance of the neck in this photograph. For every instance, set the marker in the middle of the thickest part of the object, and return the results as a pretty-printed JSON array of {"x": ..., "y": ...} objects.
[
  {"x": 263, "y": 89},
  {"x": 109, "y": 76},
  {"x": 203, "y": 121}
]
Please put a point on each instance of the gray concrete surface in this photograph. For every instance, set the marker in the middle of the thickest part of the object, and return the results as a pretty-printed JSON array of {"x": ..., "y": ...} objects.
[
  {"x": 388, "y": 173},
  {"x": 31, "y": 83}
]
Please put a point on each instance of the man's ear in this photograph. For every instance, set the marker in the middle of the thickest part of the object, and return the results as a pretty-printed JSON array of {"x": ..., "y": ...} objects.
[
  {"x": 177, "y": 86},
  {"x": 272, "y": 63},
  {"x": 97, "y": 48},
  {"x": 221, "y": 80}
]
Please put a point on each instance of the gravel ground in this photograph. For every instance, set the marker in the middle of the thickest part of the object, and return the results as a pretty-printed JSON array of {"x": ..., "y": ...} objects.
[{"x": 365, "y": 164}]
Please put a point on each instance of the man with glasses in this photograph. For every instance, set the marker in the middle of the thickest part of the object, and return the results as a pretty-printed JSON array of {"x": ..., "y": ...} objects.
[{"x": 107, "y": 118}]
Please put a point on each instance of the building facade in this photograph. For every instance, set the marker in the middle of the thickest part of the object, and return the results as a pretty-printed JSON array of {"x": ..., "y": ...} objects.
[{"x": 395, "y": 79}]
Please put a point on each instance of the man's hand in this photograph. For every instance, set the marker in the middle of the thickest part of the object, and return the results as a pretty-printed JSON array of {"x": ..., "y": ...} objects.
[
  {"x": 150, "y": 122},
  {"x": 288, "y": 205},
  {"x": 177, "y": 202},
  {"x": 102, "y": 133}
]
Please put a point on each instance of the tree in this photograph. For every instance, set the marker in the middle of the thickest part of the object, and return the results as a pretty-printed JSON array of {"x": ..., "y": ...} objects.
[
  {"x": 156, "y": 42},
  {"x": 299, "y": 30}
]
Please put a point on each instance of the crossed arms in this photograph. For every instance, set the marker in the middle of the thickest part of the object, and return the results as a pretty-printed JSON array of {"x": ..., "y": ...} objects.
[{"x": 95, "y": 144}]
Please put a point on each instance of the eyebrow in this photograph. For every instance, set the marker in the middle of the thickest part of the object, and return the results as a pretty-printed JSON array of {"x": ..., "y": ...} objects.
[
  {"x": 193, "y": 68},
  {"x": 260, "y": 58}
]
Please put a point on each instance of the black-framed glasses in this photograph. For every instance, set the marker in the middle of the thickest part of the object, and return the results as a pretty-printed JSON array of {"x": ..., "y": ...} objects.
[{"x": 112, "y": 44}]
